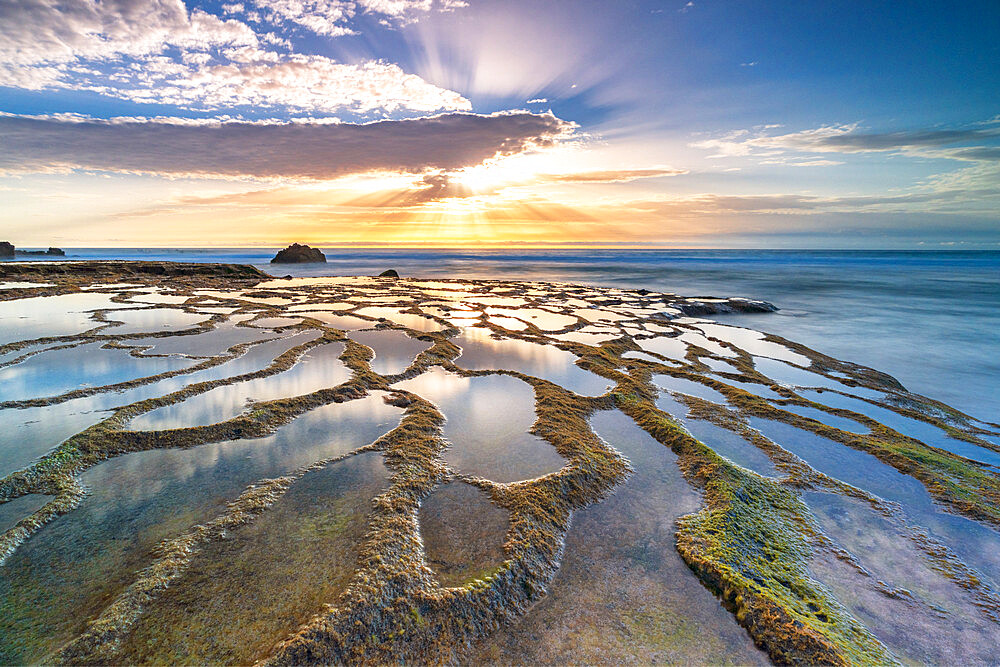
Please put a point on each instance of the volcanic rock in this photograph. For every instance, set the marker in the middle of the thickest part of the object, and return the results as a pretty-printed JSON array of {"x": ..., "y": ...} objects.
[
  {"x": 390, "y": 273},
  {"x": 696, "y": 307},
  {"x": 298, "y": 254},
  {"x": 6, "y": 249}
]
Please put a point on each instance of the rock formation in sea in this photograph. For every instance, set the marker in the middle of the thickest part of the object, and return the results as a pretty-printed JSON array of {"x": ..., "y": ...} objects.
[
  {"x": 389, "y": 273},
  {"x": 7, "y": 249},
  {"x": 298, "y": 254},
  {"x": 708, "y": 306}
]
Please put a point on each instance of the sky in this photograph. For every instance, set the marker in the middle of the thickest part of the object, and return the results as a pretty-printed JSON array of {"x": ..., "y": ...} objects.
[{"x": 511, "y": 123}]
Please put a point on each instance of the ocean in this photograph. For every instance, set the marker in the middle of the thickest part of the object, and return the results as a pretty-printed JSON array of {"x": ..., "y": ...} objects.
[{"x": 929, "y": 318}]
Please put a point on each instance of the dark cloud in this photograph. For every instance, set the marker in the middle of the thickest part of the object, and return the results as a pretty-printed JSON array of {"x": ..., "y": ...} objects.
[
  {"x": 298, "y": 150},
  {"x": 976, "y": 153}
]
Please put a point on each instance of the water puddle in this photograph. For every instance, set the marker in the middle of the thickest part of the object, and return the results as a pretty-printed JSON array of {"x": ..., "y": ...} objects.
[
  {"x": 463, "y": 322},
  {"x": 394, "y": 350},
  {"x": 623, "y": 594},
  {"x": 156, "y": 298},
  {"x": 508, "y": 323},
  {"x": 488, "y": 440},
  {"x": 20, "y": 284},
  {"x": 719, "y": 366},
  {"x": 689, "y": 387},
  {"x": 753, "y": 342},
  {"x": 156, "y": 319},
  {"x": 319, "y": 368},
  {"x": 242, "y": 595},
  {"x": 26, "y": 434},
  {"x": 843, "y": 423},
  {"x": 276, "y": 322},
  {"x": 722, "y": 441},
  {"x": 542, "y": 319},
  {"x": 463, "y": 533},
  {"x": 202, "y": 345},
  {"x": 703, "y": 342},
  {"x": 482, "y": 352},
  {"x": 975, "y": 543},
  {"x": 922, "y": 431},
  {"x": 587, "y": 338},
  {"x": 72, "y": 568},
  {"x": 8, "y": 357},
  {"x": 13, "y": 511},
  {"x": 935, "y": 624},
  {"x": 849, "y": 465},
  {"x": 46, "y": 316},
  {"x": 594, "y": 315},
  {"x": 785, "y": 374},
  {"x": 672, "y": 348},
  {"x": 754, "y": 388},
  {"x": 58, "y": 371},
  {"x": 325, "y": 306},
  {"x": 415, "y": 322}
]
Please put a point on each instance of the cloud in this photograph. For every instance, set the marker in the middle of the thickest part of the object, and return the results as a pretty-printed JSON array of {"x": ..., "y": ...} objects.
[
  {"x": 922, "y": 200},
  {"x": 297, "y": 82},
  {"x": 60, "y": 31},
  {"x": 844, "y": 139},
  {"x": 933, "y": 143},
  {"x": 609, "y": 176},
  {"x": 332, "y": 18},
  {"x": 159, "y": 52},
  {"x": 289, "y": 150}
]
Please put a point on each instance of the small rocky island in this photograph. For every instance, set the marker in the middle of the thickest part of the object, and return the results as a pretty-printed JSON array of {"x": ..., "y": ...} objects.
[
  {"x": 8, "y": 251},
  {"x": 299, "y": 254}
]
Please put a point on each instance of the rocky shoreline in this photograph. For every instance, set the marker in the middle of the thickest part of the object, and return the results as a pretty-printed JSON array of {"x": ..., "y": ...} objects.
[{"x": 750, "y": 543}]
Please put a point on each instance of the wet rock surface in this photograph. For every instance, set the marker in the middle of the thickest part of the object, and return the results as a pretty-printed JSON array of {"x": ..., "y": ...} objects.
[
  {"x": 469, "y": 471},
  {"x": 463, "y": 533}
]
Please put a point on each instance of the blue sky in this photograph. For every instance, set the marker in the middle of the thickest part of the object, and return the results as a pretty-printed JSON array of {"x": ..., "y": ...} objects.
[{"x": 703, "y": 123}]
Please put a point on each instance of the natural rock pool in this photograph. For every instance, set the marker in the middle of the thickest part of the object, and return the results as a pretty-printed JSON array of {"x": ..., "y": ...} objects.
[{"x": 213, "y": 466}]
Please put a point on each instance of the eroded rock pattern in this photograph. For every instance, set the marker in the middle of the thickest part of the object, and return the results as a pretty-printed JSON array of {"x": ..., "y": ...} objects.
[{"x": 818, "y": 499}]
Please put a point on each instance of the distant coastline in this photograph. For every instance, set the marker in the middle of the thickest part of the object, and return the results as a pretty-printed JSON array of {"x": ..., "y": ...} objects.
[{"x": 9, "y": 251}]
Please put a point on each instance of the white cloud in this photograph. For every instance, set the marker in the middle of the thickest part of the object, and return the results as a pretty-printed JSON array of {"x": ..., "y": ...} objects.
[
  {"x": 35, "y": 32},
  {"x": 332, "y": 17},
  {"x": 157, "y": 51},
  {"x": 265, "y": 79}
]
